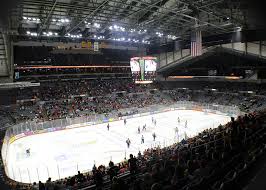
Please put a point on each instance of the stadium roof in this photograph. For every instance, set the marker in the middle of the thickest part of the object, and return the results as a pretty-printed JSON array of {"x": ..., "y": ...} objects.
[{"x": 122, "y": 20}]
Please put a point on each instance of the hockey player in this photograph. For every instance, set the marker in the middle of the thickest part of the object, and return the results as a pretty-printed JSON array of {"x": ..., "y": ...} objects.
[
  {"x": 154, "y": 136},
  {"x": 186, "y": 124},
  {"x": 144, "y": 127},
  {"x": 28, "y": 152},
  {"x": 125, "y": 121},
  {"x": 154, "y": 122},
  {"x": 176, "y": 130},
  {"x": 178, "y": 120},
  {"x": 142, "y": 139},
  {"x": 138, "y": 130},
  {"x": 108, "y": 126},
  {"x": 128, "y": 142}
]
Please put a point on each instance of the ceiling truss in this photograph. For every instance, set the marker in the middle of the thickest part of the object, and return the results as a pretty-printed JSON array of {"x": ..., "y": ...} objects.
[{"x": 170, "y": 17}]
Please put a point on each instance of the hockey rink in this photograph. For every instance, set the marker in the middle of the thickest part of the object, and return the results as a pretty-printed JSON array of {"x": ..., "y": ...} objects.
[{"x": 61, "y": 154}]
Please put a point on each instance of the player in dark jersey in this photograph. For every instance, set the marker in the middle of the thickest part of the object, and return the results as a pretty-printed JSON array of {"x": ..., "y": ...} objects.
[
  {"x": 28, "y": 152},
  {"x": 128, "y": 142},
  {"x": 142, "y": 139},
  {"x": 144, "y": 127},
  {"x": 154, "y": 136},
  {"x": 108, "y": 126},
  {"x": 138, "y": 130}
]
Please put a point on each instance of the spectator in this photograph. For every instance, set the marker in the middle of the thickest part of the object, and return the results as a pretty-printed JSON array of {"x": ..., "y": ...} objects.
[
  {"x": 80, "y": 177},
  {"x": 41, "y": 186},
  {"x": 35, "y": 186},
  {"x": 132, "y": 161},
  {"x": 49, "y": 184}
]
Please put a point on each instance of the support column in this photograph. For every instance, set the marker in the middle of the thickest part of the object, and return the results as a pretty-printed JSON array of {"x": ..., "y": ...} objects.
[
  {"x": 166, "y": 62},
  {"x": 173, "y": 55},
  {"x": 246, "y": 48},
  {"x": 260, "y": 49},
  {"x": 11, "y": 60},
  {"x": 159, "y": 57}
]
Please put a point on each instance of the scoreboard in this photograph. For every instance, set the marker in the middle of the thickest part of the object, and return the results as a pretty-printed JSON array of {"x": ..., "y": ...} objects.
[{"x": 143, "y": 69}]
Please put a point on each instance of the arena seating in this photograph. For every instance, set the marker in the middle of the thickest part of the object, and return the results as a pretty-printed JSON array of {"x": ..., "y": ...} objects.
[{"x": 215, "y": 159}]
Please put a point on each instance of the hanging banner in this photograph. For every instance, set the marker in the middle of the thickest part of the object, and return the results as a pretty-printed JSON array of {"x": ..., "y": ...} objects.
[
  {"x": 89, "y": 45},
  {"x": 96, "y": 46},
  {"x": 84, "y": 44}
]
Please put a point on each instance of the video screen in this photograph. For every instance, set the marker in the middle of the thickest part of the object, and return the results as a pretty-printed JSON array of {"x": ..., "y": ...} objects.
[
  {"x": 143, "y": 69},
  {"x": 135, "y": 67},
  {"x": 150, "y": 65}
]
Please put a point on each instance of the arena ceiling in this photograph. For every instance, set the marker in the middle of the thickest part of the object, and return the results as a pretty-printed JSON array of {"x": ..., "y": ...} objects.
[{"x": 125, "y": 20}]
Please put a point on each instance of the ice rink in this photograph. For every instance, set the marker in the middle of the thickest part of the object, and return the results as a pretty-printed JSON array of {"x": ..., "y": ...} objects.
[{"x": 62, "y": 153}]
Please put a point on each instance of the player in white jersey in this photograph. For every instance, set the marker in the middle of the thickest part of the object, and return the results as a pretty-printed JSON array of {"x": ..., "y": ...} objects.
[
  {"x": 186, "y": 124},
  {"x": 176, "y": 130}
]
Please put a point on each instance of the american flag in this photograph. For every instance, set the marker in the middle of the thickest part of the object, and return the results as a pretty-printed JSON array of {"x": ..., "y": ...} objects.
[{"x": 196, "y": 43}]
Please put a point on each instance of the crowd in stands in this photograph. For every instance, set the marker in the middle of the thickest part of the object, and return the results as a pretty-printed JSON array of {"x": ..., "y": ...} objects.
[
  {"x": 246, "y": 102},
  {"x": 214, "y": 158},
  {"x": 222, "y": 86},
  {"x": 47, "y": 72},
  {"x": 74, "y": 98},
  {"x": 54, "y": 90}
]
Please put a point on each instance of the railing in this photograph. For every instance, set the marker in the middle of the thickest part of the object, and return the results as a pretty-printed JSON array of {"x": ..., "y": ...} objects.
[{"x": 59, "y": 171}]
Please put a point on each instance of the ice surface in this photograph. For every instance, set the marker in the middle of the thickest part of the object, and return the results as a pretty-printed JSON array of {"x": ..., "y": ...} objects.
[{"x": 62, "y": 153}]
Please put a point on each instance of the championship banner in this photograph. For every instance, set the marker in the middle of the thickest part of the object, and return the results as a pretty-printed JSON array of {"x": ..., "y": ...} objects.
[
  {"x": 89, "y": 45},
  {"x": 93, "y": 45},
  {"x": 96, "y": 46},
  {"x": 84, "y": 44}
]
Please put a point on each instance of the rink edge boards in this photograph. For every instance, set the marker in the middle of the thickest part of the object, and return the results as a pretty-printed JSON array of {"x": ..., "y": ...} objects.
[{"x": 80, "y": 125}]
